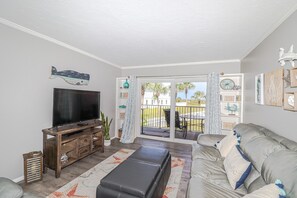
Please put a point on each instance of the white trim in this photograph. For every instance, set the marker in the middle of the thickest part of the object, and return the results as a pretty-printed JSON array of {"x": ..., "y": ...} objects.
[
  {"x": 50, "y": 39},
  {"x": 270, "y": 31},
  {"x": 183, "y": 64},
  {"x": 17, "y": 180}
]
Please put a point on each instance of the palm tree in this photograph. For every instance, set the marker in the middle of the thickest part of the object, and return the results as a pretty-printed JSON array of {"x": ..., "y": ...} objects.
[
  {"x": 157, "y": 89},
  {"x": 198, "y": 95},
  {"x": 185, "y": 86},
  {"x": 143, "y": 88},
  {"x": 179, "y": 88}
]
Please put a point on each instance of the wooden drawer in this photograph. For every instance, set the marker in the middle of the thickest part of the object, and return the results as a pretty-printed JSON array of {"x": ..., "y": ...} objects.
[
  {"x": 84, "y": 141},
  {"x": 84, "y": 151}
]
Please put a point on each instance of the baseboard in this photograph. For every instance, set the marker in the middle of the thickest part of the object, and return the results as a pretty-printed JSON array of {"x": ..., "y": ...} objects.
[
  {"x": 114, "y": 137},
  {"x": 17, "y": 180}
]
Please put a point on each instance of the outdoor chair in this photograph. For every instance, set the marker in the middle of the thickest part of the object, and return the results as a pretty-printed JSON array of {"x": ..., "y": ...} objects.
[{"x": 179, "y": 124}]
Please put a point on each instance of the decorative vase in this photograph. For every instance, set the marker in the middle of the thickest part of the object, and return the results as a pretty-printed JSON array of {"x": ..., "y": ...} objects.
[
  {"x": 107, "y": 142},
  {"x": 126, "y": 84}
]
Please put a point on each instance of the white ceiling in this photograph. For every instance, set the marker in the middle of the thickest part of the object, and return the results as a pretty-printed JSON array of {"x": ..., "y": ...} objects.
[{"x": 150, "y": 32}]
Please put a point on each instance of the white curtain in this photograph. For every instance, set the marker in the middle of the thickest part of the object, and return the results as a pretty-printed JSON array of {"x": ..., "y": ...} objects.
[
  {"x": 129, "y": 122},
  {"x": 213, "y": 106}
]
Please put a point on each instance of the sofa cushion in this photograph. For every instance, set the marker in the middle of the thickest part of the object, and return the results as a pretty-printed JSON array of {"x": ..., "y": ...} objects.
[
  {"x": 247, "y": 132},
  {"x": 205, "y": 152},
  {"x": 209, "y": 140},
  {"x": 282, "y": 165},
  {"x": 199, "y": 187},
  {"x": 256, "y": 184},
  {"x": 227, "y": 143},
  {"x": 268, "y": 191},
  {"x": 213, "y": 172},
  {"x": 280, "y": 139},
  {"x": 208, "y": 169},
  {"x": 237, "y": 167},
  {"x": 10, "y": 189},
  {"x": 254, "y": 174},
  {"x": 259, "y": 148}
]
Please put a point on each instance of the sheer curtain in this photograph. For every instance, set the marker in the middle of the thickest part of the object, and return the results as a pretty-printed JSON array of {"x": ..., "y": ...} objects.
[
  {"x": 213, "y": 106},
  {"x": 129, "y": 122}
]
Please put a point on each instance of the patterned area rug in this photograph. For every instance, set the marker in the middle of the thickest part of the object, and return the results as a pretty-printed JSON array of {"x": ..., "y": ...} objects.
[{"x": 85, "y": 185}]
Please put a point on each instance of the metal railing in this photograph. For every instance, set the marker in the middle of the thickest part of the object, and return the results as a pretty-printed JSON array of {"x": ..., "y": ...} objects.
[{"x": 153, "y": 116}]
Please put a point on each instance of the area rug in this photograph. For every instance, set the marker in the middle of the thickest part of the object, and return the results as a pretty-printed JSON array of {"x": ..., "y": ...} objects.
[{"x": 85, "y": 185}]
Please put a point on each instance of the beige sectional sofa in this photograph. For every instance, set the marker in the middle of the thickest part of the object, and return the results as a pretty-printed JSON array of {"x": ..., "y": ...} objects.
[{"x": 273, "y": 157}]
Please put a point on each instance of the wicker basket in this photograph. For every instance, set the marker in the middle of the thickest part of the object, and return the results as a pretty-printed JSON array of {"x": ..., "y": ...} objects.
[{"x": 33, "y": 163}]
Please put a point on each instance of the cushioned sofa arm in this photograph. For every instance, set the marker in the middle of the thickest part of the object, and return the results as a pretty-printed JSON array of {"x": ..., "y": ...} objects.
[{"x": 209, "y": 139}]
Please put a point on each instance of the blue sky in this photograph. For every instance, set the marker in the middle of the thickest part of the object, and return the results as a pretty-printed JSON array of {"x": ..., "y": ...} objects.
[{"x": 199, "y": 86}]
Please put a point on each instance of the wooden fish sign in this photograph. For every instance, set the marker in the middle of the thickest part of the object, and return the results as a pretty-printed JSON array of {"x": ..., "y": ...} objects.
[{"x": 71, "y": 77}]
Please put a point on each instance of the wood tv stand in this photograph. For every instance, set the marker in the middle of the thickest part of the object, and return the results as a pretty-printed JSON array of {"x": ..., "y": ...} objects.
[{"x": 72, "y": 142}]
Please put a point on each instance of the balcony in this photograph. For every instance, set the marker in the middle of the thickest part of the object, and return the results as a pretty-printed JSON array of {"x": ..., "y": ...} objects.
[{"x": 154, "y": 123}]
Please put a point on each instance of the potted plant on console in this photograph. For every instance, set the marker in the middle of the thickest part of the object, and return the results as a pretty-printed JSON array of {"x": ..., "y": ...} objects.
[{"x": 106, "y": 127}]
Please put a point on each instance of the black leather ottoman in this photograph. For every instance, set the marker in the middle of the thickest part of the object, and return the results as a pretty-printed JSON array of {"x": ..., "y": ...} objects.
[{"x": 144, "y": 174}]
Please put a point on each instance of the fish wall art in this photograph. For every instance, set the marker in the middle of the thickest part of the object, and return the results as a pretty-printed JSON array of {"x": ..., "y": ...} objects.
[{"x": 71, "y": 77}]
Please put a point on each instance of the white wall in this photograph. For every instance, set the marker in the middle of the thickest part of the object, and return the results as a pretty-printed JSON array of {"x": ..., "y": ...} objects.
[
  {"x": 26, "y": 92},
  {"x": 264, "y": 59},
  {"x": 185, "y": 70}
]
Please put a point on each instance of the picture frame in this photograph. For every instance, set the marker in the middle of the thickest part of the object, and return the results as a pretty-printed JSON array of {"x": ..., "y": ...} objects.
[
  {"x": 293, "y": 77},
  {"x": 290, "y": 102},
  {"x": 259, "y": 89},
  {"x": 274, "y": 88}
]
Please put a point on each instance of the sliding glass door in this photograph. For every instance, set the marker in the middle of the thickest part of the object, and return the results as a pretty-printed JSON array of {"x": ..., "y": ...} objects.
[
  {"x": 155, "y": 101},
  {"x": 190, "y": 108},
  {"x": 172, "y": 109}
]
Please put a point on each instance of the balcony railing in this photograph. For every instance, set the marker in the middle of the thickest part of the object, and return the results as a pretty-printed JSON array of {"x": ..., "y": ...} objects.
[{"x": 153, "y": 116}]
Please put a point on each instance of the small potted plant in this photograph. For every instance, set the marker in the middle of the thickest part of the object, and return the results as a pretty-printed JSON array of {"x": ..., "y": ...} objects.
[{"x": 106, "y": 127}]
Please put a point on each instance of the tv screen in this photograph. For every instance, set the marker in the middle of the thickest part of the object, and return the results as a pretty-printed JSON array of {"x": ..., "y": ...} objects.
[{"x": 72, "y": 106}]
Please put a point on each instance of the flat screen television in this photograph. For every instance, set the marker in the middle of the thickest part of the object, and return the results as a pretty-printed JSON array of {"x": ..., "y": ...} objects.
[{"x": 71, "y": 106}]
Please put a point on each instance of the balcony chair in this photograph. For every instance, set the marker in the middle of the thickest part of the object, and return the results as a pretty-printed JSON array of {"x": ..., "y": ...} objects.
[{"x": 181, "y": 125}]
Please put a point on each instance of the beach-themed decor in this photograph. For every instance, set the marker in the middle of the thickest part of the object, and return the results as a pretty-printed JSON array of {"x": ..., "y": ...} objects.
[
  {"x": 232, "y": 109},
  {"x": 290, "y": 101},
  {"x": 126, "y": 84},
  {"x": 293, "y": 77},
  {"x": 274, "y": 88},
  {"x": 85, "y": 185},
  {"x": 290, "y": 56},
  {"x": 71, "y": 77},
  {"x": 259, "y": 89}
]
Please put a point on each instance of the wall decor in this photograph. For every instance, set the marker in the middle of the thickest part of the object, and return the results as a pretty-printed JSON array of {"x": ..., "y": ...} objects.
[
  {"x": 232, "y": 109},
  {"x": 289, "y": 101},
  {"x": 229, "y": 99},
  {"x": 290, "y": 56},
  {"x": 259, "y": 89},
  {"x": 71, "y": 77},
  {"x": 274, "y": 88},
  {"x": 228, "y": 125},
  {"x": 293, "y": 77},
  {"x": 227, "y": 84}
]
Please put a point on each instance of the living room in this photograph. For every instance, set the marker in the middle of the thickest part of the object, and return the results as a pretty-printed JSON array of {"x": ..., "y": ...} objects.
[{"x": 151, "y": 41}]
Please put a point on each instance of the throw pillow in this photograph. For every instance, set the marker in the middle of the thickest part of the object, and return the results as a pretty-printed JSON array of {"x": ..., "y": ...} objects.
[
  {"x": 237, "y": 167},
  {"x": 227, "y": 143},
  {"x": 275, "y": 190}
]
